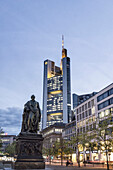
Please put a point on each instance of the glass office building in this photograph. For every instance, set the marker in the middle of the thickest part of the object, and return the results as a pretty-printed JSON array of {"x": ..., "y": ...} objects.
[{"x": 56, "y": 92}]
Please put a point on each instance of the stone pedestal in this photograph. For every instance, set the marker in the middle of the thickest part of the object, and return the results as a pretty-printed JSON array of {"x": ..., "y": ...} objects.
[{"x": 29, "y": 151}]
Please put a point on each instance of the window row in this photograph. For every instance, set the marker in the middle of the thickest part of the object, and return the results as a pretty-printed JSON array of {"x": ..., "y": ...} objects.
[
  {"x": 87, "y": 128},
  {"x": 104, "y": 95},
  {"x": 105, "y": 112},
  {"x": 86, "y": 106},
  {"x": 105, "y": 104},
  {"x": 84, "y": 115}
]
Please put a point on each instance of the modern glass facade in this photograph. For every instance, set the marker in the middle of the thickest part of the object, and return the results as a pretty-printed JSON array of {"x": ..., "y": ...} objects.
[
  {"x": 54, "y": 100},
  {"x": 56, "y": 92}
]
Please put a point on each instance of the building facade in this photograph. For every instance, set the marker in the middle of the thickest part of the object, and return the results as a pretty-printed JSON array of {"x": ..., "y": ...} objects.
[
  {"x": 52, "y": 134},
  {"x": 90, "y": 110},
  {"x": 97, "y": 107},
  {"x": 56, "y": 92},
  {"x": 6, "y": 140}
]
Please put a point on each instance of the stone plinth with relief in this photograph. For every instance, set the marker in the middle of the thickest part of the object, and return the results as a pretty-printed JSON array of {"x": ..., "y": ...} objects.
[{"x": 29, "y": 151}]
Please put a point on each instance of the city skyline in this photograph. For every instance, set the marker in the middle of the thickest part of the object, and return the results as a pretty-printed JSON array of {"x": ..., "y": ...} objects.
[{"x": 31, "y": 32}]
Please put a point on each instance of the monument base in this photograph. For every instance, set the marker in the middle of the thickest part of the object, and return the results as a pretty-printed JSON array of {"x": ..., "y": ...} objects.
[
  {"x": 29, "y": 151},
  {"x": 29, "y": 165}
]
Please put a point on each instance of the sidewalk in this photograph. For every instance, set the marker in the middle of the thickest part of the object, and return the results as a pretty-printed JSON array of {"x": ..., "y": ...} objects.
[{"x": 88, "y": 167}]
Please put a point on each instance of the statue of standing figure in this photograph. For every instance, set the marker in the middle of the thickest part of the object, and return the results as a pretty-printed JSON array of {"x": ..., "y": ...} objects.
[{"x": 31, "y": 116}]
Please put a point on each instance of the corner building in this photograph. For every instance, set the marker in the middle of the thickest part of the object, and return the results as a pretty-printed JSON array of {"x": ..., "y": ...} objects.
[
  {"x": 56, "y": 92},
  {"x": 91, "y": 110}
]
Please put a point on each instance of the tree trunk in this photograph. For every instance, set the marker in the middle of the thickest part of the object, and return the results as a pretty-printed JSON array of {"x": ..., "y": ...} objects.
[
  {"x": 107, "y": 159},
  {"x": 61, "y": 157},
  {"x": 78, "y": 158}
]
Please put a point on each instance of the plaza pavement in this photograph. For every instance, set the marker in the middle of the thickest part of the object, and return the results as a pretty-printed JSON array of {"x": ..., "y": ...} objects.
[
  {"x": 88, "y": 167},
  {"x": 59, "y": 167}
]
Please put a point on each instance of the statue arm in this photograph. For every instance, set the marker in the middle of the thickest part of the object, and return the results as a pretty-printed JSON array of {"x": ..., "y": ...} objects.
[{"x": 26, "y": 107}]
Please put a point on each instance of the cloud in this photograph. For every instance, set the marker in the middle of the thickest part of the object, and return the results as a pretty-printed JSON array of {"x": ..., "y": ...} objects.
[{"x": 10, "y": 120}]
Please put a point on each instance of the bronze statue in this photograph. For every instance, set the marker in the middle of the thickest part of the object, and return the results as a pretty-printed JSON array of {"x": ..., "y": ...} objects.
[{"x": 31, "y": 116}]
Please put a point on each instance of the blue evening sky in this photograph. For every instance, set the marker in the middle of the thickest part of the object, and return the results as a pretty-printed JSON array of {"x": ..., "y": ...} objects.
[{"x": 31, "y": 31}]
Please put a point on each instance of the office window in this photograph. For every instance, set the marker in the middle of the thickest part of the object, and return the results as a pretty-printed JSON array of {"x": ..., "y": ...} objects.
[
  {"x": 85, "y": 106},
  {"x": 100, "y": 106},
  {"x": 111, "y": 110},
  {"x": 102, "y": 96},
  {"x": 89, "y": 112},
  {"x": 93, "y": 110},
  {"x": 101, "y": 114},
  {"x": 77, "y": 117},
  {"x": 107, "y": 112},
  {"x": 89, "y": 105},
  {"x": 111, "y": 100},
  {"x": 83, "y": 115},
  {"x": 105, "y": 95},
  {"x": 86, "y": 113},
  {"x": 99, "y": 98},
  {"x": 105, "y": 104},
  {"x": 111, "y": 91},
  {"x": 92, "y": 102}
]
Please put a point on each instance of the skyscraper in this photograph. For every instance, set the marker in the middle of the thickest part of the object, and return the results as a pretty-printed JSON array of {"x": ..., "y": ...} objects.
[{"x": 56, "y": 91}]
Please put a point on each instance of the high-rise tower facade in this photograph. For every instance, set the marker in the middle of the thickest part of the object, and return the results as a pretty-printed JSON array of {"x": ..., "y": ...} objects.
[{"x": 56, "y": 92}]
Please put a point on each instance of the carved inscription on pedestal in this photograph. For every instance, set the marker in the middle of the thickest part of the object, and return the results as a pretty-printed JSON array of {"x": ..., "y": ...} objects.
[{"x": 29, "y": 148}]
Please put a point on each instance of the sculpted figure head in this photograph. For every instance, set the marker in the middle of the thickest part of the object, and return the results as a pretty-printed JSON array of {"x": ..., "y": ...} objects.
[{"x": 33, "y": 97}]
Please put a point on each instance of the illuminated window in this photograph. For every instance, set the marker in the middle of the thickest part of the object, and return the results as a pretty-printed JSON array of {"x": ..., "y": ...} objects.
[
  {"x": 107, "y": 112},
  {"x": 101, "y": 114},
  {"x": 93, "y": 110},
  {"x": 111, "y": 110}
]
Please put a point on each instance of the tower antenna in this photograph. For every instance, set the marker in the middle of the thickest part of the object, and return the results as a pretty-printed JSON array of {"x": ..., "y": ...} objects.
[{"x": 62, "y": 41}]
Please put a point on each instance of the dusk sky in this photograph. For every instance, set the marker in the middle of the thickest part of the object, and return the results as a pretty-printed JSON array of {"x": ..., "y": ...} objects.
[{"x": 31, "y": 32}]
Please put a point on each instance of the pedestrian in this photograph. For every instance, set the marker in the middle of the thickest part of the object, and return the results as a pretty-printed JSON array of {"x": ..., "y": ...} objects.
[{"x": 67, "y": 163}]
